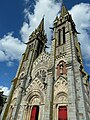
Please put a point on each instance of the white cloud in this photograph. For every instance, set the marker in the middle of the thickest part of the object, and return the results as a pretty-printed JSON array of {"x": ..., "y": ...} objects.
[
  {"x": 81, "y": 16},
  {"x": 11, "y": 48},
  {"x": 87, "y": 62},
  {"x": 5, "y": 90},
  {"x": 26, "y": 1},
  {"x": 49, "y": 8},
  {"x": 10, "y": 63}
]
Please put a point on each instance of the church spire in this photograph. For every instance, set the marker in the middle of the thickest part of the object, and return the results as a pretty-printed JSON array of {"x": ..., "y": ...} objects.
[
  {"x": 39, "y": 32},
  {"x": 41, "y": 26},
  {"x": 64, "y": 10}
]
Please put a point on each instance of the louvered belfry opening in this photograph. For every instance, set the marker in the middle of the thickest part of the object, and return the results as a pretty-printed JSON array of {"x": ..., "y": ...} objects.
[
  {"x": 34, "y": 113},
  {"x": 62, "y": 113}
]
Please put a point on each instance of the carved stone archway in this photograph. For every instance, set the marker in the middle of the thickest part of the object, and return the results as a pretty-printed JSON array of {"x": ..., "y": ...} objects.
[
  {"x": 61, "y": 99},
  {"x": 34, "y": 98}
]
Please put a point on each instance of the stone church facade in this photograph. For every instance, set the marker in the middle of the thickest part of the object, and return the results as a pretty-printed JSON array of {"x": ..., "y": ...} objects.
[{"x": 50, "y": 86}]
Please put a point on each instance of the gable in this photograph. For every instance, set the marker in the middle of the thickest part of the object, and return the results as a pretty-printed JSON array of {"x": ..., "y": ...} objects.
[{"x": 41, "y": 63}]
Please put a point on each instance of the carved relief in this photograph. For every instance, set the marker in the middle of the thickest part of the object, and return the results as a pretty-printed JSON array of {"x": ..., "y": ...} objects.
[
  {"x": 41, "y": 75},
  {"x": 60, "y": 89},
  {"x": 36, "y": 101},
  {"x": 61, "y": 98},
  {"x": 35, "y": 98},
  {"x": 44, "y": 58}
]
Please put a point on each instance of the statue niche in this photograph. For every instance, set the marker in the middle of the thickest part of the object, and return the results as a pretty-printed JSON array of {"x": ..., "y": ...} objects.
[{"x": 61, "y": 68}]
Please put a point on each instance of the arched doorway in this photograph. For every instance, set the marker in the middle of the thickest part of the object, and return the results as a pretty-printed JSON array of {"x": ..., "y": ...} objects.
[
  {"x": 61, "y": 106},
  {"x": 34, "y": 108}
]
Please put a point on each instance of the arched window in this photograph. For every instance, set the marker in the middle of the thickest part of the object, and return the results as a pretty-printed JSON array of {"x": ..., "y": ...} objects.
[
  {"x": 61, "y": 36},
  {"x": 64, "y": 35},
  {"x": 61, "y": 68}
]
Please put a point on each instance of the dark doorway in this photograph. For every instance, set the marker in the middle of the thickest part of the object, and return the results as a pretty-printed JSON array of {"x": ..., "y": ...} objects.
[
  {"x": 34, "y": 113},
  {"x": 62, "y": 113}
]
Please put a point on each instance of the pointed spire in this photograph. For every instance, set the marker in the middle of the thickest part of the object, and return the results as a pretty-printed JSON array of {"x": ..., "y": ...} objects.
[
  {"x": 41, "y": 25},
  {"x": 64, "y": 11}
]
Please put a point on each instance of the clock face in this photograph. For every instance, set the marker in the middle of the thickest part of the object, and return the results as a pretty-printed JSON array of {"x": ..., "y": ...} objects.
[{"x": 41, "y": 75}]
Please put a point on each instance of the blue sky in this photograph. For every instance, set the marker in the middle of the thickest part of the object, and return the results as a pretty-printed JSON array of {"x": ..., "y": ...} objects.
[{"x": 18, "y": 18}]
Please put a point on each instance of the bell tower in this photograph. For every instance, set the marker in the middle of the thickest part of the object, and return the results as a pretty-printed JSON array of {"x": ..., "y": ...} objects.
[
  {"x": 35, "y": 46},
  {"x": 69, "y": 69}
]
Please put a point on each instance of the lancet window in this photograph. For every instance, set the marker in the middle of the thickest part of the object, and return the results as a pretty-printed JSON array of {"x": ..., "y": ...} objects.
[{"x": 61, "y": 36}]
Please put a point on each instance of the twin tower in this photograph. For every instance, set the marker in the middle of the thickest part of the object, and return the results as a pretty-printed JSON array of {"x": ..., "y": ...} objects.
[{"x": 50, "y": 86}]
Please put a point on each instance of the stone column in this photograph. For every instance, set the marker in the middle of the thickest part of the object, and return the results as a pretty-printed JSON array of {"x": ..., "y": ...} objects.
[
  {"x": 20, "y": 64},
  {"x": 81, "y": 98},
  {"x": 43, "y": 111},
  {"x": 54, "y": 112},
  {"x": 22, "y": 108},
  {"x": 24, "y": 113},
  {"x": 72, "y": 108},
  {"x": 48, "y": 113},
  {"x": 29, "y": 78},
  {"x": 19, "y": 98},
  {"x": 28, "y": 67}
]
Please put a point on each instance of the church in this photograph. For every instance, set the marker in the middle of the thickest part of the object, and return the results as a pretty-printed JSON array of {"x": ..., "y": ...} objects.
[{"x": 50, "y": 86}]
